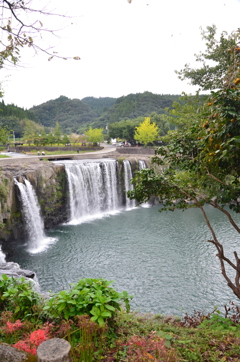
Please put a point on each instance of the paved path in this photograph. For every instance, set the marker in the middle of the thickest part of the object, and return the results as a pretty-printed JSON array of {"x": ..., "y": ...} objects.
[{"x": 18, "y": 158}]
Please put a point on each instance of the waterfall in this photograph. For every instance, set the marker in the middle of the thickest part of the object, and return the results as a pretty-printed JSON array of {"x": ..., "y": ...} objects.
[
  {"x": 128, "y": 186},
  {"x": 2, "y": 256},
  {"x": 93, "y": 189},
  {"x": 141, "y": 164},
  {"x": 37, "y": 240}
]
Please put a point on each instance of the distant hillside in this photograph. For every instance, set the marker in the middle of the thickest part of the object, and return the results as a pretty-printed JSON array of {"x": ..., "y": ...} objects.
[
  {"x": 70, "y": 113},
  {"x": 13, "y": 116},
  {"x": 99, "y": 105},
  {"x": 135, "y": 105},
  {"x": 74, "y": 115}
]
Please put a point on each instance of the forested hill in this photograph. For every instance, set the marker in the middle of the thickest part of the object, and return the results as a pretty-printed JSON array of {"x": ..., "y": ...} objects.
[
  {"x": 13, "y": 117},
  {"x": 70, "y": 113},
  {"x": 136, "y": 105},
  {"x": 99, "y": 105},
  {"x": 74, "y": 115}
]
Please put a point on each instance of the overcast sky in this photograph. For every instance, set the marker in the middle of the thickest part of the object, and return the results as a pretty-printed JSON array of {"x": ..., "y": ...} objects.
[{"x": 124, "y": 48}]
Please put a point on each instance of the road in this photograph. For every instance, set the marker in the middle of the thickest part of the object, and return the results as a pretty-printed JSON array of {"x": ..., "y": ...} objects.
[
  {"x": 107, "y": 149},
  {"x": 18, "y": 158}
]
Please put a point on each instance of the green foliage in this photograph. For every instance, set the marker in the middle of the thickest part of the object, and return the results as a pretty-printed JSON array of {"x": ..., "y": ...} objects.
[
  {"x": 146, "y": 132},
  {"x": 220, "y": 61},
  {"x": 70, "y": 113},
  {"x": 187, "y": 110},
  {"x": 218, "y": 322},
  {"x": 17, "y": 295},
  {"x": 99, "y": 105},
  {"x": 3, "y": 188},
  {"x": 76, "y": 115},
  {"x": 10, "y": 110},
  {"x": 136, "y": 105},
  {"x": 94, "y": 135},
  {"x": 92, "y": 339},
  {"x": 161, "y": 121},
  {"x": 32, "y": 132},
  {"x": 89, "y": 296},
  {"x": 4, "y": 135},
  {"x": 124, "y": 129},
  {"x": 65, "y": 140},
  {"x": 57, "y": 133}
]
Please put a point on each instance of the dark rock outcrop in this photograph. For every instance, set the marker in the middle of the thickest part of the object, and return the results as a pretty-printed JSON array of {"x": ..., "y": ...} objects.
[
  {"x": 13, "y": 270},
  {"x": 50, "y": 183}
]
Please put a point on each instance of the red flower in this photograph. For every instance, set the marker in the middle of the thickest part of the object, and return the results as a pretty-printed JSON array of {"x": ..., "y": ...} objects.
[
  {"x": 30, "y": 345},
  {"x": 38, "y": 337},
  {"x": 25, "y": 346},
  {"x": 12, "y": 327}
]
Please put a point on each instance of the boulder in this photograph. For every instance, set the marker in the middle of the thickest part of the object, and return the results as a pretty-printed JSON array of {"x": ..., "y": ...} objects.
[{"x": 10, "y": 354}]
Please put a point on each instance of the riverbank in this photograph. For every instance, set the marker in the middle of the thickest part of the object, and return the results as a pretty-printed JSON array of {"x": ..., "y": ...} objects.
[{"x": 133, "y": 337}]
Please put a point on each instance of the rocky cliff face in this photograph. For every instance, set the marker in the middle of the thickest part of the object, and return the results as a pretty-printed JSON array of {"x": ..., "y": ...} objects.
[{"x": 50, "y": 183}]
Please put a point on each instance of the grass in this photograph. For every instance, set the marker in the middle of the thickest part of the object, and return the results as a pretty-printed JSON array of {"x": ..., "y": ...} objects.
[
  {"x": 4, "y": 156},
  {"x": 138, "y": 337}
]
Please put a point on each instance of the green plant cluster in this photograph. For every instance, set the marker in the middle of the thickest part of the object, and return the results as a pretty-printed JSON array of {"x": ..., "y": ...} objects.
[
  {"x": 94, "y": 297},
  {"x": 98, "y": 329},
  {"x": 3, "y": 188},
  {"x": 18, "y": 296}
]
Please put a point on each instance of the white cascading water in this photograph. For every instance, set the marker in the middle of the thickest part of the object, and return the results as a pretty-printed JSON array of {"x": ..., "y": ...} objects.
[
  {"x": 37, "y": 240},
  {"x": 141, "y": 165},
  {"x": 128, "y": 185},
  {"x": 2, "y": 256},
  {"x": 93, "y": 189}
]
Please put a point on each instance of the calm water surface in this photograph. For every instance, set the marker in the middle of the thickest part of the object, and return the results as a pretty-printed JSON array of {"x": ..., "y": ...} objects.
[{"x": 162, "y": 259}]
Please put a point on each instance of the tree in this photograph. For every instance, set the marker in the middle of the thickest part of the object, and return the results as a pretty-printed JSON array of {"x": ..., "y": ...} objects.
[
  {"x": 147, "y": 132},
  {"x": 57, "y": 133},
  {"x": 161, "y": 121},
  {"x": 95, "y": 135},
  {"x": 23, "y": 26},
  {"x": 220, "y": 61},
  {"x": 65, "y": 139},
  {"x": 201, "y": 165},
  {"x": 124, "y": 129},
  {"x": 51, "y": 138},
  {"x": 4, "y": 135}
]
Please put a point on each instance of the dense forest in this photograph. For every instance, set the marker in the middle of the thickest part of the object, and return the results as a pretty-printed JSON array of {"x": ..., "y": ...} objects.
[
  {"x": 70, "y": 113},
  {"x": 14, "y": 118},
  {"x": 134, "y": 106},
  {"x": 75, "y": 115},
  {"x": 99, "y": 105}
]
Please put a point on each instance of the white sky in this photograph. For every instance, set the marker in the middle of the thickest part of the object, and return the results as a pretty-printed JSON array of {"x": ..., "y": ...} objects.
[{"x": 124, "y": 48}]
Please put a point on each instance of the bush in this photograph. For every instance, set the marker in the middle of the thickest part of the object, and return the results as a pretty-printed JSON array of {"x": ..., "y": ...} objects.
[
  {"x": 17, "y": 295},
  {"x": 89, "y": 296}
]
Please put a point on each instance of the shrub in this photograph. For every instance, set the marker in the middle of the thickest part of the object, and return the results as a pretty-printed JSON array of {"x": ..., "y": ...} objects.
[
  {"x": 17, "y": 295},
  {"x": 89, "y": 296}
]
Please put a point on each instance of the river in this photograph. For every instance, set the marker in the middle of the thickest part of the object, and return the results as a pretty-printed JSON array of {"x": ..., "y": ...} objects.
[{"x": 162, "y": 259}]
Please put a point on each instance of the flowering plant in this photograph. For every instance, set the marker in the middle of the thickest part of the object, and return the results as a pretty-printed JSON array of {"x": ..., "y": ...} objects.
[{"x": 35, "y": 339}]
